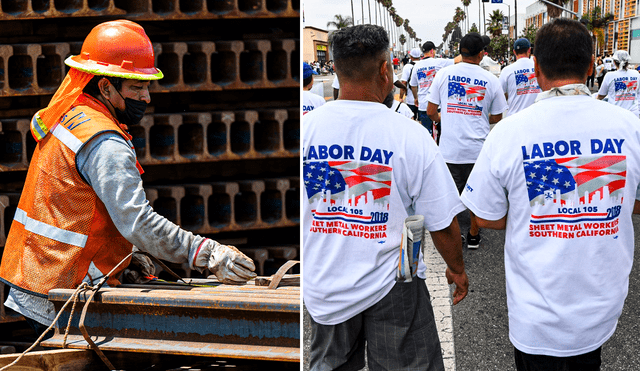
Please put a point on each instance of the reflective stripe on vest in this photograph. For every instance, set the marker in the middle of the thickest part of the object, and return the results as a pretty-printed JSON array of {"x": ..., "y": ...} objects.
[
  {"x": 64, "y": 135},
  {"x": 49, "y": 231}
]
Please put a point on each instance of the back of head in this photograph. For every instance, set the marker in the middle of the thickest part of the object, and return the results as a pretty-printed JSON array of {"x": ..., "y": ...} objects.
[
  {"x": 563, "y": 49},
  {"x": 358, "y": 51},
  {"x": 471, "y": 44},
  {"x": 521, "y": 46},
  {"x": 621, "y": 57},
  {"x": 428, "y": 46}
]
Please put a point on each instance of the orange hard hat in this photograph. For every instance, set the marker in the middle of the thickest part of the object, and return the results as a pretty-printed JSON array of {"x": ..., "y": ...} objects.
[{"x": 117, "y": 48}]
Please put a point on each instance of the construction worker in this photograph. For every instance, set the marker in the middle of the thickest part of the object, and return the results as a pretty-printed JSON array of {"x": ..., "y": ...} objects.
[{"x": 83, "y": 208}]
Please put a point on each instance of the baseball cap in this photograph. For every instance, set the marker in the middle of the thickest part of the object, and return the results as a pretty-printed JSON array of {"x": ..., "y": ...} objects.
[
  {"x": 428, "y": 46},
  {"x": 307, "y": 71},
  {"x": 415, "y": 52},
  {"x": 471, "y": 44},
  {"x": 521, "y": 44},
  {"x": 621, "y": 56}
]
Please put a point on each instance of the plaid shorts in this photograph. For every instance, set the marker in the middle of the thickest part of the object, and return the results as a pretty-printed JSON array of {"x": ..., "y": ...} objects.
[{"x": 399, "y": 331}]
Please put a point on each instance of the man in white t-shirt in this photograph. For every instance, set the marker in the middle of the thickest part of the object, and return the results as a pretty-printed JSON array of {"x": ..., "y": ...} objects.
[
  {"x": 421, "y": 79},
  {"x": 621, "y": 86},
  {"x": 407, "y": 71},
  {"x": 518, "y": 80},
  {"x": 365, "y": 170},
  {"x": 310, "y": 101},
  {"x": 471, "y": 99},
  {"x": 564, "y": 189}
]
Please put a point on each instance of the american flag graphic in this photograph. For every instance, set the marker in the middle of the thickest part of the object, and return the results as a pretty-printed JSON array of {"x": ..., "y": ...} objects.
[
  {"x": 625, "y": 85},
  {"x": 336, "y": 176},
  {"x": 524, "y": 77},
  {"x": 573, "y": 175},
  {"x": 461, "y": 90}
]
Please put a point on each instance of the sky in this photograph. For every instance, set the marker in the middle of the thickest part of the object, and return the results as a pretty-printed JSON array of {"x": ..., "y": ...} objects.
[{"x": 427, "y": 17}]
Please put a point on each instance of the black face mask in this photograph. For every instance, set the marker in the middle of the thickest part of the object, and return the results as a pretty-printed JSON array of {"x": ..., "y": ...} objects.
[{"x": 133, "y": 111}]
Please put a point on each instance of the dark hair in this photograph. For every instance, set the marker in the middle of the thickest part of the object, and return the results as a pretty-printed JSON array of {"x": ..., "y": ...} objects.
[
  {"x": 355, "y": 48},
  {"x": 92, "y": 86},
  {"x": 563, "y": 49},
  {"x": 307, "y": 81},
  {"x": 428, "y": 46}
]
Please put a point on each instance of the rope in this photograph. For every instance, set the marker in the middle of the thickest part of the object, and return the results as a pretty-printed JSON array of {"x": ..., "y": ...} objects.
[{"x": 82, "y": 287}]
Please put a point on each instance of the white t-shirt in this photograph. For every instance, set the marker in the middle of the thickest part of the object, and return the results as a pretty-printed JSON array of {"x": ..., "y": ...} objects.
[
  {"x": 406, "y": 75},
  {"x": 377, "y": 168},
  {"x": 310, "y": 101},
  {"x": 567, "y": 259},
  {"x": 422, "y": 77},
  {"x": 467, "y": 95},
  {"x": 622, "y": 89},
  {"x": 519, "y": 81},
  {"x": 401, "y": 108}
]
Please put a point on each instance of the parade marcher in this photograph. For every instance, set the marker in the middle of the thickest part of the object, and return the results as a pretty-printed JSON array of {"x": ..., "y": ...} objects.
[
  {"x": 518, "y": 80},
  {"x": 83, "y": 207},
  {"x": 599, "y": 72},
  {"x": 471, "y": 99},
  {"x": 397, "y": 106},
  {"x": 420, "y": 81},
  {"x": 366, "y": 169},
  {"x": 564, "y": 189},
  {"x": 310, "y": 101},
  {"x": 621, "y": 86},
  {"x": 407, "y": 71}
]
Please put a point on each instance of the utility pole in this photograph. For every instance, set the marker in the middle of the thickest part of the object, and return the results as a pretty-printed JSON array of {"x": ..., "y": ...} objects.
[{"x": 515, "y": 27}]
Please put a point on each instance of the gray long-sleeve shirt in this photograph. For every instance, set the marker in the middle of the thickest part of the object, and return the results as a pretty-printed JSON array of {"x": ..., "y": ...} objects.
[{"x": 108, "y": 164}]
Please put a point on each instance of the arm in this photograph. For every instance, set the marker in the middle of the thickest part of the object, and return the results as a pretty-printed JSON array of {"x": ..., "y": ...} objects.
[
  {"x": 457, "y": 59},
  {"x": 403, "y": 92},
  {"x": 432, "y": 112},
  {"x": 636, "y": 207},
  {"x": 108, "y": 165},
  {"x": 500, "y": 223},
  {"x": 601, "y": 97},
  {"x": 335, "y": 93},
  {"x": 494, "y": 119},
  {"x": 414, "y": 90},
  {"x": 449, "y": 245}
]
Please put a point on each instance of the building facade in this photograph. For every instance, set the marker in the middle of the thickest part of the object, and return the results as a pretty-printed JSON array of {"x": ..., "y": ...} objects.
[{"x": 315, "y": 45}]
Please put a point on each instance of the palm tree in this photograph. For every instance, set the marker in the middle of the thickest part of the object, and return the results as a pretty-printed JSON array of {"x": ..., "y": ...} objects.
[
  {"x": 459, "y": 15},
  {"x": 495, "y": 23},
  {"x": 465, "y": 5},
  {"x": 554, "y": 11},
  {"x": 340, "y": 22}
]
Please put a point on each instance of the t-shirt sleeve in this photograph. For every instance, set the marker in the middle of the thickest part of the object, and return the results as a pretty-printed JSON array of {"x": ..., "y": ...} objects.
[
  {"x": 504, "y": 81},
  {"x": 335, "y": 84},
  {"x": 484, "y": 194},
  {"x": 604, "y": 88},
  {"x": 414, "y": 77},
  {"x": 438, "y": 200},
  {"x": 108, "y": 164},
  {"x": 499, "y": 102},
  {"x": 434, "y": 90},
  {"x": 406, "y": 71}
]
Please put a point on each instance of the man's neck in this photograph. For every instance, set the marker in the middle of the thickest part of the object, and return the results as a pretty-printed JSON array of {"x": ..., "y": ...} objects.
[{"x": 520, "y": 56}]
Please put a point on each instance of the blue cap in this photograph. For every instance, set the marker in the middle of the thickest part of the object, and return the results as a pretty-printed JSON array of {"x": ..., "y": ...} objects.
[
  {"x": 521, "y": 44},
  {"x": 307, "y": 71}
]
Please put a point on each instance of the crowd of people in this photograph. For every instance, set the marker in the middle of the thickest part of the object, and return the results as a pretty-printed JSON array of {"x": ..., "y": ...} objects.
[{"x": 524, "y": 152}]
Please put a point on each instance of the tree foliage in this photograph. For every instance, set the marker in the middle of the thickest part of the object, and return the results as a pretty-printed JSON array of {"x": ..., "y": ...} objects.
[
  {"x": 495, "y": 23},
  {"x": 499, "y": 46},
  {"x": 473, "y": 28},
  {"x": 340, "y": 22},
  {"x": 529, "y": 33}
]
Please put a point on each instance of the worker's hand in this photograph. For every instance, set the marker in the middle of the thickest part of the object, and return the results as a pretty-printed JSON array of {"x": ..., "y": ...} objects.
[
  {"x": 139, "y": 269},
  {"x": 227, "y": 262},
  {"x": 462, "y": 284}
]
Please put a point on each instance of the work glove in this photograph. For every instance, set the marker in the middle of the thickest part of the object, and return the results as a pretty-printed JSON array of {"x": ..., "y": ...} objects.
[
  {"x": 139, "y": 269},
  {"x": 226, "y": 262}
]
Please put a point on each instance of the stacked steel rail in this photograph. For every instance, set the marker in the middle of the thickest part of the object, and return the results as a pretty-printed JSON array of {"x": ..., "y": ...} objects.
[{"x": 220, "y": 140}]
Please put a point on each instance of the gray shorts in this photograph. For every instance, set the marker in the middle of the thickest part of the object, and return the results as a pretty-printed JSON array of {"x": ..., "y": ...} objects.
[
  {"x": 460, "y": 174},
  {"x": 399, "y": 331}
]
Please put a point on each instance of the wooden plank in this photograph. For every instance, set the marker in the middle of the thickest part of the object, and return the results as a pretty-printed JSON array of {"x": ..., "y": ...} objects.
[{"x": 53, "y": 360}]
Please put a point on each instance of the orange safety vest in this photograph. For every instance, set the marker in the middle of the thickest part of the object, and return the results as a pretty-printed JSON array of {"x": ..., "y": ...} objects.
[{"x": 62, "y": 233}]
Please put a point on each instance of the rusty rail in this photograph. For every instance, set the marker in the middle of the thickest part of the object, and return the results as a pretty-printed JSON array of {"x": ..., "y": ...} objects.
[{"x": 244, "y": 322}]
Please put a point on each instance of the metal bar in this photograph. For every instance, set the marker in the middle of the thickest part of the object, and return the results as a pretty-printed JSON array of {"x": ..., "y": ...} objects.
[{"x": 248, "y": 322}]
